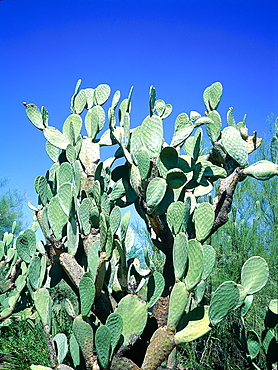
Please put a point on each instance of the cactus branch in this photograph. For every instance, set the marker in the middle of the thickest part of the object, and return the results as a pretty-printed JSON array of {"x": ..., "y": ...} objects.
[
  {"x": 223, "y": 201},
  {"x": 162, "y": 231}
]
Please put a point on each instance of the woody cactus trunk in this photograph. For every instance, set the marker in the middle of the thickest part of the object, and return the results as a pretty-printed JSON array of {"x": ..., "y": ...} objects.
[{"x": 88, "y": 237}]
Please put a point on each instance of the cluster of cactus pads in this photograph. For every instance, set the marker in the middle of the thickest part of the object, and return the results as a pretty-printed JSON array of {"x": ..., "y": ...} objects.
[
  {"x": 87, "y": 236},
  {"x": 252, "y": 343}
]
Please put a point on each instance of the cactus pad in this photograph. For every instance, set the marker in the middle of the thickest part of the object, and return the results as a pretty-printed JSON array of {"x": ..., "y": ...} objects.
[
  {"x": 56, "y": 216},
  {"x": 55, "y": 137},
  {"x": 161, "y": 344},
  {"x": 180, "y": 249},
  {"x": 156, "y": 285},
  {"x": 26, "y": 245},
  {"x": 254, "y": 274},
  {"x": 34, "y": 272},
  {"x": 176, "y": 217},
  {"x": 262, "y": 170},
  {"x": 135, "y": 323},
  {"x": 83, "y": 333},
  {"x": 178, "y": 301},
  {"x": 87, "y": 293},
  {"x": 101, "y": 94},
  {"x": 183, "y": 129},
  {"x": 203, "y": 219},
  {"x": 194, "y": 325},
  {"x": 253, "y": 344},
  {"x": 214, "y": 129},
  {"x": 62, "y": 346},
  {"x": 115, "y": 324},
  {"x": 152, "y": 134},
  {"x": 43, "y": 304},
  {"x": 209, "y": 260},
  {"x": 212, "y": 96},
  {"x": 246, "y": 305},
  {"x": 155, "y": 193},
  {"x": 195, "y": 264},
  {"x": 102, "y": 342},
  {"x": 224, "y": 299},
  {"x": 235, "y": 146},
  {"x": 175, "y": 178},
  {"x": 35, "y": 116}
]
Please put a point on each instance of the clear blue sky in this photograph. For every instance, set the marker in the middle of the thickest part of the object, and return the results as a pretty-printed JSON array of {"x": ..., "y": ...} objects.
[{"x": 180, "y": 47}]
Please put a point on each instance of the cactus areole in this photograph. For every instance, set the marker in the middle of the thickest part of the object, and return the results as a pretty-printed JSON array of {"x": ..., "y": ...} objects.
[{"x": 88, "y": 237}]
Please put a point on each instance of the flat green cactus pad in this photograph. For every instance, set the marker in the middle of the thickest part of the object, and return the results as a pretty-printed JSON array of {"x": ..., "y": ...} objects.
[
  {"x": 72, "y": 236},
  {"x": 254, "y": 274},
  {"x": 143, "y": 159},
  {"x": 209, "y": 260},
  {"x": 84, "y": 215},
  {"x": 274, "y": 149},
  {"x": 183, "y": 129},
  {"x": 161, "y": 345},
  {"x": 20, "y": 283},
  {"x": 84, "y": 335},
  {"x": 41, "y": 188},
  {"x": 168, "y": 159},
  {"x": 34, "y": 272},
  {"x": 62, "y": 346},
  {"x": 52, "y": 151},
  {"x": 262, "y": 170},
  {"x": 80, "y": 101},
  {"x": 115, "y": 219},
  {"x": 152, "y": 134},
  {"x": 87, "y": 293},
  {"x": 176, "y": 217},
  {"x": 72, "y": 127},
  {"x": 194, "y": 325},
  {"x": 175, "y": 178},
  {"x": 214, "y": 129},
  {"x": 26, "y": 245},
  {"x": 235, "y": 146},
  {"x": 65, "y": 194},
  {"x": 102, "y": 342},
  {"x": 56, "y": 137},
  {"x": 246, "y": 305},
  {"x": 195, "y": 264},
  {"x": 203, "y": 219},
  {"x": 101, "y": 94},
  {"x": 180, "y": 250},
  {"x": 132, "y": 323},
  {"x": 65, "y": 173},
  {"x": 224, "y": 299},
  {"x": 178, "y": 301},
  {"x": 43, "y": 304},
  {"x": 156, "y": 285},
  {"x": 199, "y": 291},
  {"x": 115, "y": 324},
  {"x": 155, "y": 193},
  {"x": 56, "y": 217},
  {"x": 273, "y": 306},
  {"x": 35, "y": 116},
  {"x": 212, "y": 96},
  {"x": 253, "y": 344},
  {"x": 74, "y": 350}
]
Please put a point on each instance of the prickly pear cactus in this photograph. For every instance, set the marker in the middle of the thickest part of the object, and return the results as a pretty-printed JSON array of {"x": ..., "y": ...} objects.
[
  {"x": 88, "y": 237},
  {"x": 262, "y": 346}
]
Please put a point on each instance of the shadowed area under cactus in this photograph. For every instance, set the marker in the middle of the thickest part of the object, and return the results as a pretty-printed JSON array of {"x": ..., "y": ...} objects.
[{"x": 120, "y": 313}]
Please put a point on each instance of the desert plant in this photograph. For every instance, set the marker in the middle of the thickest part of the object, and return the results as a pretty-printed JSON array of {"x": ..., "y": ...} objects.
[{"x": 87, "y": 237}]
